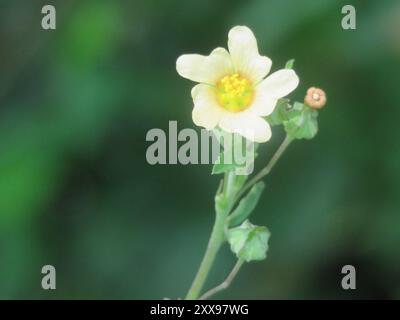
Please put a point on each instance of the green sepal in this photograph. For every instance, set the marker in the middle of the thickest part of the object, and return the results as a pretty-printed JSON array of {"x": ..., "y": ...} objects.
[
  {"x": 249, "y": 242},
  {"x": 302, "y": 122},
  {"x": 289, "y": 64},
  {"x": 280, "y": 113}
]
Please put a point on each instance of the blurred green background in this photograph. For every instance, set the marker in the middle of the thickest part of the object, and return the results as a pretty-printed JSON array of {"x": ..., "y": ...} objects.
[{"x": 76, "y": 191}]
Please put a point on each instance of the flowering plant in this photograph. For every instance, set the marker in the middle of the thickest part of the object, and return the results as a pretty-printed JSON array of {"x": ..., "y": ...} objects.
[{"x": 235, "y": 96}]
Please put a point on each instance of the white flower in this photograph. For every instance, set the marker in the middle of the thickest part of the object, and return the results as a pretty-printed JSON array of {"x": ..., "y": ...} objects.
[{"x": 233, "y": 93}]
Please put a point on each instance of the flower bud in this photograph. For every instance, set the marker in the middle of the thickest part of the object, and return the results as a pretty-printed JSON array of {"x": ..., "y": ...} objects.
[{"x": 315, "y": 98}]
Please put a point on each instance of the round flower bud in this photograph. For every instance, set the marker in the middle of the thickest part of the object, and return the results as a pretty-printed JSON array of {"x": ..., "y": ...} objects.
[{"x": 315, "y": 98}]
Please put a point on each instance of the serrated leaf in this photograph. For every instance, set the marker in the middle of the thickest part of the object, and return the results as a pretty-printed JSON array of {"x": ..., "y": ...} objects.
[
  {"x": 246, "y": 205},
  {"x": 249, "y": 242},
  {"x": 256, "y": 246},
  {"x": 302, "y": 122}
]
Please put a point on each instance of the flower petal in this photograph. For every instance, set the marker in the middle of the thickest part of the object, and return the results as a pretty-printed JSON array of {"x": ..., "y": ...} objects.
[
  {"x": 246, "y": 124},
  {"x": 206, "y": 112},
  {"x": 205, "y": 69},
  {"x": 245, "y": 57},
  {"x": 263, "y": 104},
  {"x": 279, "y": 84}
]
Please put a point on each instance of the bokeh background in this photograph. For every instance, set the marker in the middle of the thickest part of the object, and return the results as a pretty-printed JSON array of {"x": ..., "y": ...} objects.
[{"x": 76, "y": 191}]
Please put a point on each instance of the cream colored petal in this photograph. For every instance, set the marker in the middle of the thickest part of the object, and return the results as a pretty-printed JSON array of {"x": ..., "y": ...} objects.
[
  {"x": 205, "y": 69},
  {"x": 263, "y": 104},
  {"x": 223, "y": 53},
  {"x": 245, "y": 57},
  {"x": 279, "y": 84},
  {"x": 206, "y": 112},
  {"x": 246, "y": 124}
]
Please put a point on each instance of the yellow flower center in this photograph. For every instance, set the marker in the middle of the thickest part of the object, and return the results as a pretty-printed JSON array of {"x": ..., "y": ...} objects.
[{"x": 234, "y": 92}]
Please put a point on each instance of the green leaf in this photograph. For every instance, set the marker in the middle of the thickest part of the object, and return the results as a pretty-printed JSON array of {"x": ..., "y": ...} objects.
[
  {"x": 302, "y": 122},
  {"x": 289, "y": 64},
  {"x": 239, "y": 182},
  {"x": 249, "y": 242},
  {"x": 280, "y": 113},
  {"x": 246, "y": 205}
]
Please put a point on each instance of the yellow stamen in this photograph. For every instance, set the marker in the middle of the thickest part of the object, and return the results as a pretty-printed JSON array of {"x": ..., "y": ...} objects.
[{"x": 234, "y": 92}]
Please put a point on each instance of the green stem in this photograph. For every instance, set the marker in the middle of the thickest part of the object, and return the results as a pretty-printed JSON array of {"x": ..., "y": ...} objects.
[
  {"x": 214, "y": 244},
  {"x": 228, "y": 187},
  {"x": 216, "y": 239},
  {"x": 224, "y": 285},
  {"x": 218, "y": 233},
  {"x": 267, "y": 169}
]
